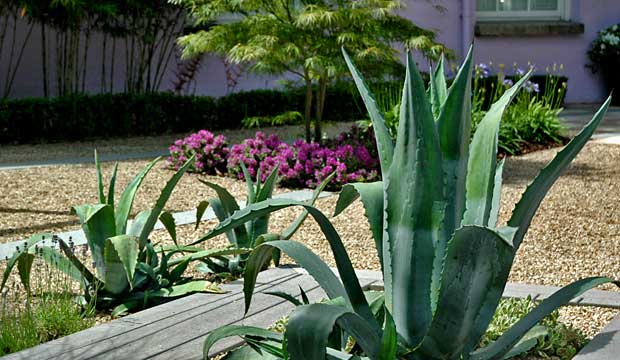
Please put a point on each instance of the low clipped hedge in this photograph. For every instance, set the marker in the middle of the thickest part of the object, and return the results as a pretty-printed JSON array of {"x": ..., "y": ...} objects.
[{"x": 80, "y": 117}]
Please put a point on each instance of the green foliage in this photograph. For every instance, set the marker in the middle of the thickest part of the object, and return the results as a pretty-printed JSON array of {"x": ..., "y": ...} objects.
[
  {"x": 445, "y": 263},
  {"x": 286, "y": 118},
  {"x": 561, "y": 340},
  {"x": 81, "y": 117},
  {"x": 130, "y": 272},
  {"x": 304, "y": 38},
  {"x": 254, "y": 232},
  {"x": 45, "y": 311}
]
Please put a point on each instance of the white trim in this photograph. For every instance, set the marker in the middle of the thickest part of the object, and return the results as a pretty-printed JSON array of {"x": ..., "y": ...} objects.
[{"x": 562, "y": 13}]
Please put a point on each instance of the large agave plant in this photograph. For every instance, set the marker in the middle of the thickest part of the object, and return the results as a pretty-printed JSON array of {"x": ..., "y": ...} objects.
[
  {"x": 128, "y": 267},
  {"x": 445, "y": 262}
]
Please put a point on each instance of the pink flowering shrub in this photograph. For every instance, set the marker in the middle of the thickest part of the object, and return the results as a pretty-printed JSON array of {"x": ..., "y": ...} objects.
[
  {"x": 352, "y": 156},
  {"x": 261, "y": 152},
  {"x": 211, "y": 152}
]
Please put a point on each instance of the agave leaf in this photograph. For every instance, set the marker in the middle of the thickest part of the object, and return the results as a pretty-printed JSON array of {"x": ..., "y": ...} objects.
[
  {"x": 382, "y": 134},
  {"x": 371, "y": 195},
  {"x": 483, "y": 159},
  {"x": 70, "y": 264},
  {"x": 138, "y": 223},
  {"x": 98, "y": 225},
  {"x": 292, "y": 229},
  {"x": 121, "y": 249},
  {"x": 115, "y": 276},
  {"x": 309, "y": 327},
  {"x": 201, "y": 255},
  {"x": 24, "y": 267},
  {"x": 161, "y": 202},
  {"x": 224, "y": 207},
  {"x": 249, "y": 353},
  {"x": 500, "y": 347},
  {"x": 343, "y": 262},
  {"x": 528, "y": 341},
  {"x": 35, "y": 239},
  {"x": 237, "y": 330},
  {"x": 414, "y": 209},
  {"x": 125, "y": 203},
  {"x": 532, "y": 197},
  {"x": 438, "y": 86},
  {"x": 270, "y": 183},
  {"x": 496, "y": 202},
  {"x": 471, "y": 277},
  {"x": 112, "y": 187},
  {"x": 167, "y": 219},
  {"x": 99, "y": 180},
  {"x": 454, "y": 128},
  {"x": 126, "y": 307},
  {"x": 389, "y": 341},
  {"x": 282, "y": 295},
  {"x": 178, "y": 271},
  {"x": 200, "y": 211},
  {"x": 187, "y": 288},
  {"x": 303, "y": 256},
  {"x": 260, "y": 226},
  {"x": 249, "y": 183}
]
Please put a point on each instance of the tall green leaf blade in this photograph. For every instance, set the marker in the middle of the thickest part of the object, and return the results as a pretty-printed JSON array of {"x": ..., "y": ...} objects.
[
  {"x": 303, "y": 256},
  {"x": 28, "y": 247},
  {"x": 249, "y": 183},
  {"x": 532, "y": 197},
  {"x": 240, "y": 236},
  {"x": 389, "y": 341},
  {"x": 438, "y": 86},
  {"x": 125, "y": 203},
  {"x": 167, "y": 220},
  {"x": 69, "y": 264},
  {"x": 266, "y": 190},
  {"x": 100, "y": 190},
  {"x": 200, "y": 211},
  {"x": 528, "y": 341},
  {"x": 471, "y": 277},
  {"x": 115, "y": 277},
  {"x": 127, "y": 251},
  {"x": 454, "y": 128},
  {"x": 497, "y": 349},
  {"x": 237, "y": 330},
  {"x": 200, "y": 255},
  {"x": 161, "y": 201},
  {"x": 382, "y": 134},
  {"x": 24, "y": 268},
  {"x": 309, "y": 327},
  {"x": 112, "y": 187},
  {"x": 496, "y": 202},
  {"x": 98, "y": 225},
  {"x": 296, "y": 224},
  {"x": 371, "y": 195},
  {"x": 138, "y": 223},
  {"x": 413, "y": 213},
  {"x": 186, "y": 289},
  {"x": 483, "y": 159}
]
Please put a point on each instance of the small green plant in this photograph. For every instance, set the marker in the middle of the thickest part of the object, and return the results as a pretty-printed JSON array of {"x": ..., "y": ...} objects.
[
  {"x": 286, "y": 118},
  {"x": 555, "y": 339},
  {"x": 254, "y": 232},
  {"x": 45, "y": 312},
  {"x": 445, "y": 263},
  {"x": 130, "y": 271}
]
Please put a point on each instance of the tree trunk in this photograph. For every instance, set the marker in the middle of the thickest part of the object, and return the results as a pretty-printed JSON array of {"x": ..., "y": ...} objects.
[
  {"x": 44, "y": 60},
  {"x": 320, "y": 103},
  {"x": 308, "y": 110}
]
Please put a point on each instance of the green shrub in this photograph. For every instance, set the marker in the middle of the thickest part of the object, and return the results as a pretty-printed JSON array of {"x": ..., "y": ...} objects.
[
  {"x": 80, "y": 117},
  {"x": 286, "y": 118}
]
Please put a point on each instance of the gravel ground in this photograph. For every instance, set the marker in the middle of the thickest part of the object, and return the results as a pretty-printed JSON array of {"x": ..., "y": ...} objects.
[
  {"x": 15, "y": 154},
  {"x": 575, "y": 234}
]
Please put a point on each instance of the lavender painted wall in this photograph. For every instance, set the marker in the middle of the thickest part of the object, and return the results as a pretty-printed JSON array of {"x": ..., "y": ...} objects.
[{"x": 454, "y": 27}]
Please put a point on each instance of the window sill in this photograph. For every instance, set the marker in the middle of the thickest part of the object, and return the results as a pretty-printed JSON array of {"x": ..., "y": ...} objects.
[{"x": 527, "y": 28}]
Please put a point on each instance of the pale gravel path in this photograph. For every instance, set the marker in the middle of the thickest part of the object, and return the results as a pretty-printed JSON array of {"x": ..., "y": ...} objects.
[{"x": 575, "y": 234}]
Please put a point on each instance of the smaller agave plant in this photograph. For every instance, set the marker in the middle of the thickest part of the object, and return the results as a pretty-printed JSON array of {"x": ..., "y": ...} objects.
[
  {"x": 129, "y": 270},
  {"x": 445, "y": 262},
  {"x": 254, "y": 232}
]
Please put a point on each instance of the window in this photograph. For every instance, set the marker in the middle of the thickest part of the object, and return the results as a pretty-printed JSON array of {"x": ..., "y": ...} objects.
[{"x": 522, "y": 9}]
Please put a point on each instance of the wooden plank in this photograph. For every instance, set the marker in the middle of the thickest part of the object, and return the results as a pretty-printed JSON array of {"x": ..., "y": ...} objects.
[
  {"x": 605, "y": 345},
  {"x": 136, "y": 324}
]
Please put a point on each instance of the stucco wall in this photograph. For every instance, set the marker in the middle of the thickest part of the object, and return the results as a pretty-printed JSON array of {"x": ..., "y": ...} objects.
[{"x": 450, "y": 25}]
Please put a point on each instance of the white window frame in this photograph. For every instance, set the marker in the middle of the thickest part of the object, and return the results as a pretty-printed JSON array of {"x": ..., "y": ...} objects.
[{"x": 563, "y": 13}]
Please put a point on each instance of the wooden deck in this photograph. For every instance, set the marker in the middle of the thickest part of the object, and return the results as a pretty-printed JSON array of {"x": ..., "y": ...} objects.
[{"x": 177, "y": 330}]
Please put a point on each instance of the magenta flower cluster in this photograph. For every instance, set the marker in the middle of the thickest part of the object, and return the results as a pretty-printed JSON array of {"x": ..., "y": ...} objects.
[
  {"x": 352, "y": 156},
  {"x": 211, "y": 152}
]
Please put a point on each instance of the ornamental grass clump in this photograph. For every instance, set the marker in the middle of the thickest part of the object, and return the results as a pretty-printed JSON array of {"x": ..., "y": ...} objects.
[{"x": 445, "y": 262}]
